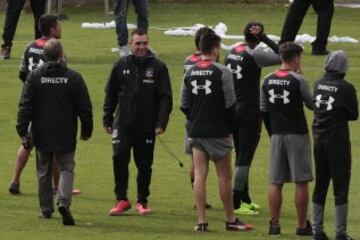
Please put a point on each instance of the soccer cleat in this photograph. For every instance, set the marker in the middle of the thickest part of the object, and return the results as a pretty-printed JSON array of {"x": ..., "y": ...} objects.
[
  {"x": 306, "y": 231},
  {"x": 5, "y": 52},
  {"x": 68, "y": 219},
  {"x": 143, "y": 209},
  {"x": 274, "y": 228},
  {"x": 124, "y": 51},
  {"x": 238, "y": 225},
  {"x": 245, "y": 210},
  {"x": 14, "y": 188},
  {"x": 120, "y": 207},
  {"x": 201, "y": 227},
  {"x": 253, "y": 206},
  {"x": 320, "y": 236}
]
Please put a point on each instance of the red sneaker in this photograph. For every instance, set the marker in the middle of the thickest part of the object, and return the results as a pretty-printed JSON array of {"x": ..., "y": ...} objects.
[
  {"x": 120, "y": 207},
  {"x": 143, "y": 208}
]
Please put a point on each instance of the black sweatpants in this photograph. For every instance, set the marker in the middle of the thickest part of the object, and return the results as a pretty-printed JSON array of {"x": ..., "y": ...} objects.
[
  {"x": 332, "y": 162},
  {"x": 142, "y": 145},
  {"x": 246, "y": 137},
  {"x": 12, "y": 17},
  {"x": 324, "y": 10}
]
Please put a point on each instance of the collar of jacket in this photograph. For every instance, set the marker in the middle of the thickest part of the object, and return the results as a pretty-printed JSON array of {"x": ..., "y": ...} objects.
[
  {"x": 141, "y": 60},
  {"x": 53, "y": 67},
  {"x": 333, "y": 75}
]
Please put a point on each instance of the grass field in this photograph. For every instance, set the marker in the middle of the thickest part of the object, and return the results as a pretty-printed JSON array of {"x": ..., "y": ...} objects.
[{"x": 88, "y": 51}]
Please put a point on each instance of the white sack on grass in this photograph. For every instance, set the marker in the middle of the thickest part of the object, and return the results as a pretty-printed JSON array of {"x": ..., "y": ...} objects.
[
  {"x": 220, "y": 29},
  {"x": 105, "y": 25}
]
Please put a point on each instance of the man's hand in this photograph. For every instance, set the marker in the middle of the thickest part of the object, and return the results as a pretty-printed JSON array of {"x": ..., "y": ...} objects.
[
  {"x": 108, "y": 130},
  {"x": 159, "y": 131},
  {"x": 256, "y": 31},
  {"x": 26, "y": 142}
]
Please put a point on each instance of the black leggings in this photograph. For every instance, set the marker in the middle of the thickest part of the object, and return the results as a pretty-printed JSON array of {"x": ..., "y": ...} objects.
[{"x": 332, "y": 162}]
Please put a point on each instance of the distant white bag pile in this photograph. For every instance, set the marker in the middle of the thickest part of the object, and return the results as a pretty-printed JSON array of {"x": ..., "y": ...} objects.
[{"x": 220, "y": 29}]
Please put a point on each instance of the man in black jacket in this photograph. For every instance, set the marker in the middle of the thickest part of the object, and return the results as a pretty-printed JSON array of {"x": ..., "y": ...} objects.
[
  {"x": 53, "y": 97},
  {"x": 189, "y": 62},
  {"x": 208, "y": 100},
  {"x": 139, "y": 93},
  {"x": 33, "y": 58},
  {"x": 282, "y": 97},
  {"x": 245, "y": 61},
  {"x": 335, "y": 104}
]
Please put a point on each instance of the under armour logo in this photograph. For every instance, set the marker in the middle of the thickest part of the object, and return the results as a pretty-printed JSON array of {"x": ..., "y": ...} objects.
[
  {"x": 148, "y": 141},
  {"x": 236, "y": 71},
  {"x": 284, "y": 96},
  {"x": 33, "y": 65},
  {"x": 206, "y": 87},
  {"x": 126, "y": 71},
  {"x": 328, "y": 102}
]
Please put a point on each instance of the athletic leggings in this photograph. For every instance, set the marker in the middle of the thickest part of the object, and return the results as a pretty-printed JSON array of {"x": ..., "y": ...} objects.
[
  {"x": 246, "y": 138},
  {"x": 332, "y": 162}
]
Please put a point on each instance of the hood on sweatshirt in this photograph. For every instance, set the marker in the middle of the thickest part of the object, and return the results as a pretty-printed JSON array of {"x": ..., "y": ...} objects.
[{"x": 336, "y": 61}]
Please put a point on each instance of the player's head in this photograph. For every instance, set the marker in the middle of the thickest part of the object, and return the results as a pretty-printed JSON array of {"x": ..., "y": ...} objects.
[
  {"x": 290, "y": 53},
  {"x": 210, "y": 45},
  {"x": 199, "y": 33},
  {"x": 250, "y": 37},
  {"x": 336, "y": 61},
  {"x": 49, "y": 26},
  {"x": 53, "y": 50},
  {"x": 139, "y": 42}
]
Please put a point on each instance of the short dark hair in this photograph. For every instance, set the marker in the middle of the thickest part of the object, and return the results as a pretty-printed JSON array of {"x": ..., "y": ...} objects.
[
  {"x": 208, "y": 42},
  {"x": 248, "y": 36},
  {"x": 46, "y": 22},
  {"x": 289, "y": 50},
  {"x": 139, "y": 31},
  {"x": 199, "y": 33},
  {"x": 53, "y": 50}
]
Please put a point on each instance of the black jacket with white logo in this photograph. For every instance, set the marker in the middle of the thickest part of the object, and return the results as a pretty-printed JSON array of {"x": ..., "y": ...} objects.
[
  {"x": 32, "y": 58},
  {"x": 207, "y": 99},
  {"x": 245, "y": 63},
  {"x": 139, "y": 91},
  {"x": 52, "y": 99},
  {"x": 282, "y": 95},
  {"x": 335, "y": 104}
]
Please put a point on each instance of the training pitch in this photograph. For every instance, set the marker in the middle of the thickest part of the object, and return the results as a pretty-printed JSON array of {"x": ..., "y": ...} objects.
[{"x": 89, "y": 52}]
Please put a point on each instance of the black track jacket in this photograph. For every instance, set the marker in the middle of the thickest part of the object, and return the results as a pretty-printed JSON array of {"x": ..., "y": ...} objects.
[
  {"x": 139, "y": 93},
  {"x": 52, "y": 99}
]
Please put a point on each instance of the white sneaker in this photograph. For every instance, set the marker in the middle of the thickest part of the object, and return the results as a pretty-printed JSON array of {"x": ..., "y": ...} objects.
[{"x": 124, "y": 51}]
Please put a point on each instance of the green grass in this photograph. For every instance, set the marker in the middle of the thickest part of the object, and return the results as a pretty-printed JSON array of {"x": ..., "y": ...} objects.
[{"x": 88, "y": 52}]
